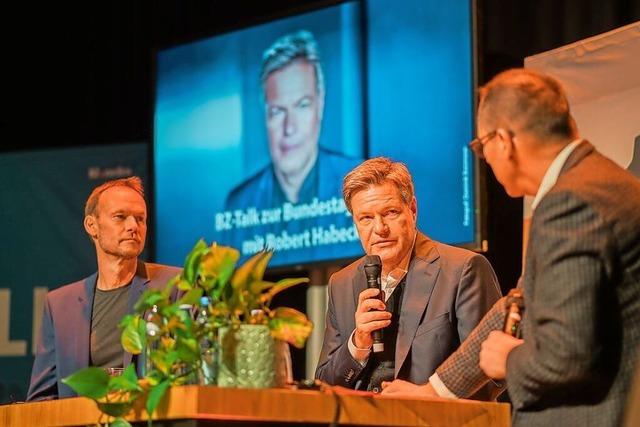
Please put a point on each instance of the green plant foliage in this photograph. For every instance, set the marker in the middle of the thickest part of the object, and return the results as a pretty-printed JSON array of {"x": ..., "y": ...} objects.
[
  {"x": 90, "y": 382},
  {"x": 238, "y": 295},
  {"x": 290, "y": 325}
]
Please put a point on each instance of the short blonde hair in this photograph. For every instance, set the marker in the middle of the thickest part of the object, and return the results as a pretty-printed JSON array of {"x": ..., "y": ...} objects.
[
  {"x": 133, "y": 182},
  {"x": 378, "y": 171}
]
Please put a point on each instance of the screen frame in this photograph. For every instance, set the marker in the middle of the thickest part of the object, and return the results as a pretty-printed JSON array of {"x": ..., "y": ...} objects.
[{"x": 479, "y": 244}]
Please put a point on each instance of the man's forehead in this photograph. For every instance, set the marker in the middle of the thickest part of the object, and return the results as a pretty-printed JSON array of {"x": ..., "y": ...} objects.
[
  {"x": 377, "y": 195},
  {"x": 295, "y": 79},
  {"x": 121, "y": 197}
]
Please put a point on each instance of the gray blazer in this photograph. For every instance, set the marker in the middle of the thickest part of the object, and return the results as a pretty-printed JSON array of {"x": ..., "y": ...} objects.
[
  {"x": 581, "y": 326},
  {"x": 447, "y": 292},
  {"x": 63, "y": 347}
]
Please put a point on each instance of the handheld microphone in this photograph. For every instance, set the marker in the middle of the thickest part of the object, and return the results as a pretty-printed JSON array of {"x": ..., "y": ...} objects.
[
  {"x": 515, "y": 309},
  {"x": 373, "y": 270}
]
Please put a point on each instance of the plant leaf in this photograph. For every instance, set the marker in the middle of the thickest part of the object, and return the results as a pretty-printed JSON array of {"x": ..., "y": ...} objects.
[
  {"x": 128, "y": 381},
  {"x": 115, "y": 409},
  {"x": 89, "y": 382},
  {"x": 170, "y": 285},
  {"x": 120, "y": 422},
  {"x": 187, "y": 349},
  {"x": 192, "y": 263},
  {"x": 148, "y": 299},
  {"x": 290, "y": 325},
  {"x": 184, "y": 285},
  {"x": 282, "y": 285},
  {"x": 192, "y": 297},
  {"x": 217, "y": 265},
  {"x": 134, "y": 336},
  {"x": 252, "y": 270},
  {"x": 155, "y": 395}
]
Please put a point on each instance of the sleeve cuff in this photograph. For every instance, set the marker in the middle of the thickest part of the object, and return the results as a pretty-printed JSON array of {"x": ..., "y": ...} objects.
[
  {"x": 440, "y": 388},
  {"x": 360, "y": 355}
]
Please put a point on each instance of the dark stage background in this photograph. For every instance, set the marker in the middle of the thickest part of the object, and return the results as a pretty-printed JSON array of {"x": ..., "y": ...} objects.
[{"x": 79, "y": 74}]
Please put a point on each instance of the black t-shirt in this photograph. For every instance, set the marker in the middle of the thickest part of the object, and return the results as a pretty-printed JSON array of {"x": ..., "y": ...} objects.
[{"x": 109, "y": 307}]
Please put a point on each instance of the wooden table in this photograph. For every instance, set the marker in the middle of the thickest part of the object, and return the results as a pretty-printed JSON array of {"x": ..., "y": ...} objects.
[{"x": 213, "y": 406}]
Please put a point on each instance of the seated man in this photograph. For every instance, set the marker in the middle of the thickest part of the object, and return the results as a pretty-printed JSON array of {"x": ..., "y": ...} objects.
[
  {"x": 434, "y": 294},
  {"x": 80, "y": 321}
]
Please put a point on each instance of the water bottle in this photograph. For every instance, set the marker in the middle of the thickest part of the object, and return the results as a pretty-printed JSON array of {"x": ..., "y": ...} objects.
[
  {"x": 208, "y": 372},
  {"x": 153, "y": 328}
]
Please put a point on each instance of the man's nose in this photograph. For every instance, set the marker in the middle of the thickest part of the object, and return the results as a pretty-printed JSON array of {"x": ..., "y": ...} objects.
[
  {"x": 380, "y": 226},
  {"x": 290, "y": 124},
  {"x": 131, "y": 223}
]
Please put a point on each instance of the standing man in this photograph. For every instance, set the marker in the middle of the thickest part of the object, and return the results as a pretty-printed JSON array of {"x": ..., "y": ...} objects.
[
  {"x": 80, "y": 321},
  {"x": 581, "y": 280},
  {"x": 434, "y": 294}
]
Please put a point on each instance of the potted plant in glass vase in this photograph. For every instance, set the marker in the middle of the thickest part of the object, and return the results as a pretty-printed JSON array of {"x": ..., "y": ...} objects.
[
  {"x": 253, "y": 338},
  {"x": 221, "y": 330}
]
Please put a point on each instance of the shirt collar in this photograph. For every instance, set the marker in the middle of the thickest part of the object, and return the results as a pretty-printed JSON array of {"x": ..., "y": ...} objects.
[
  {"x": 396, "y": 275},
  {"x": 553, "y": 172}
]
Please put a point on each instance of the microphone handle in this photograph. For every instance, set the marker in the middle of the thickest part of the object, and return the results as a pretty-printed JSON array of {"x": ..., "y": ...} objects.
[{"x": 378, "y": 342}]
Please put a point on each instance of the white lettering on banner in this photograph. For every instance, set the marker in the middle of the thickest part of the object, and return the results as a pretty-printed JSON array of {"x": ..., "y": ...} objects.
[
  {"x": 252, "y": 217},
  {"x": 8, "y": 347},
  {"x": 19, "y": 347},
  {"x": 316, "y": 236}
]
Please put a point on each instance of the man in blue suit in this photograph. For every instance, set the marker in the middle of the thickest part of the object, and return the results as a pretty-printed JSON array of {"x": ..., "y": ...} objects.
[
  {"x": 301, "y": 171},
  {"x": 80, "y": 321}
]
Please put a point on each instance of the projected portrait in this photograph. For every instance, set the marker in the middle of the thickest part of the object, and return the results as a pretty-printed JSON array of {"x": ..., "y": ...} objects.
[
  {"x": 293, "y": 204},
  {"x": 293, "y": 93}
]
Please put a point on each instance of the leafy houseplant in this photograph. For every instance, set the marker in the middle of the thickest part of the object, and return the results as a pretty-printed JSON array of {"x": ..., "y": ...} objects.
[{"x": 166, "y": 332}]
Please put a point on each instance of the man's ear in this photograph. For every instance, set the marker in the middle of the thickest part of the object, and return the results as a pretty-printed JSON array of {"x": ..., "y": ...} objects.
[
  {"x": 413, "y": 206},
  {"x": 90, "y": 226},
  {"x": 505, "y": 143}
]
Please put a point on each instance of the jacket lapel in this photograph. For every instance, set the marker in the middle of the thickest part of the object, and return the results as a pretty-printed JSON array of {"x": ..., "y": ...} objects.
[
  {"x": 82, "y": 331},
  {"x": 138, "y": 286},
  {"x": 421, "y": 278}
]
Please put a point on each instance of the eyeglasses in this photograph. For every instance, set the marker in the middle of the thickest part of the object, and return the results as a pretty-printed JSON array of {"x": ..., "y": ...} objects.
[{"x": 477, "y": 144}]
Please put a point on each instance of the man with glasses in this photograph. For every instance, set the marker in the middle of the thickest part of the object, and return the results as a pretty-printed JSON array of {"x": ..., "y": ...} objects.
[{"x": 581, "y": 282}]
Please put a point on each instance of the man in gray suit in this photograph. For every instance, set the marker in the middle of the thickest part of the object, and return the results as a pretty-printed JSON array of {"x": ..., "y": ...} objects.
[
  {"x": 434, "y": 294},
  {"x": 581, "y": 283},
  {"x": 80, "y": 321}
]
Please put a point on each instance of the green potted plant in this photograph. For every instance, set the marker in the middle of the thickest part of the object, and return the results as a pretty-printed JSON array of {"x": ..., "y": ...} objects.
[{"x": 239, "y": 322}]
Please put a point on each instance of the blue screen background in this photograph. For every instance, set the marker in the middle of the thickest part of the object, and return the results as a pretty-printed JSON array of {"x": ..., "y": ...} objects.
[{"x": 402, "y": 89}]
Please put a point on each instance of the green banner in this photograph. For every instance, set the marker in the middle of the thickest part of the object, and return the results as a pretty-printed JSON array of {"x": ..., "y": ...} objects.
[{"x": 43, "y": 244}]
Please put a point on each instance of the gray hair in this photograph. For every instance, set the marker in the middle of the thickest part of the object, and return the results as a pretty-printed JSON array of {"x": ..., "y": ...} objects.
[
  {"x": 533, "y": 101},
  {"x": 288, "y": 48},
  {"x": 378, "y": 171}
]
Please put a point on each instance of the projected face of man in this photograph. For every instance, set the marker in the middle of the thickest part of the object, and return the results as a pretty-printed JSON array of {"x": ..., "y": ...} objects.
[{"x": 294, "y": 112}]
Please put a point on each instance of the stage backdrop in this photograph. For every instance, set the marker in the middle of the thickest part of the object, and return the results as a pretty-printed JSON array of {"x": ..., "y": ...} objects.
[
  {"x": 44, "y": 245},
  {"x": 601, "y": 75}
]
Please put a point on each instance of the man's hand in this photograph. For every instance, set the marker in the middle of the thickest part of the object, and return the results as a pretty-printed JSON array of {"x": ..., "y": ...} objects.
[
  {"x": 494, "y": 352},
  {"x": 368, "y": 321},
  {"x": 400, "y": 388}
]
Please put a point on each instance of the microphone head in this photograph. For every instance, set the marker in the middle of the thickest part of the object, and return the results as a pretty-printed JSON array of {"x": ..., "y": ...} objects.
[
  {"x": 372, "y": 265},
  {"x": 372, "y": 260}
]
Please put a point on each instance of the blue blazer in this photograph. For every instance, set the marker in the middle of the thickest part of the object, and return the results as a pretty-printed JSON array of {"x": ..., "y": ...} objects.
[{"x": 63, "y": 346}]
